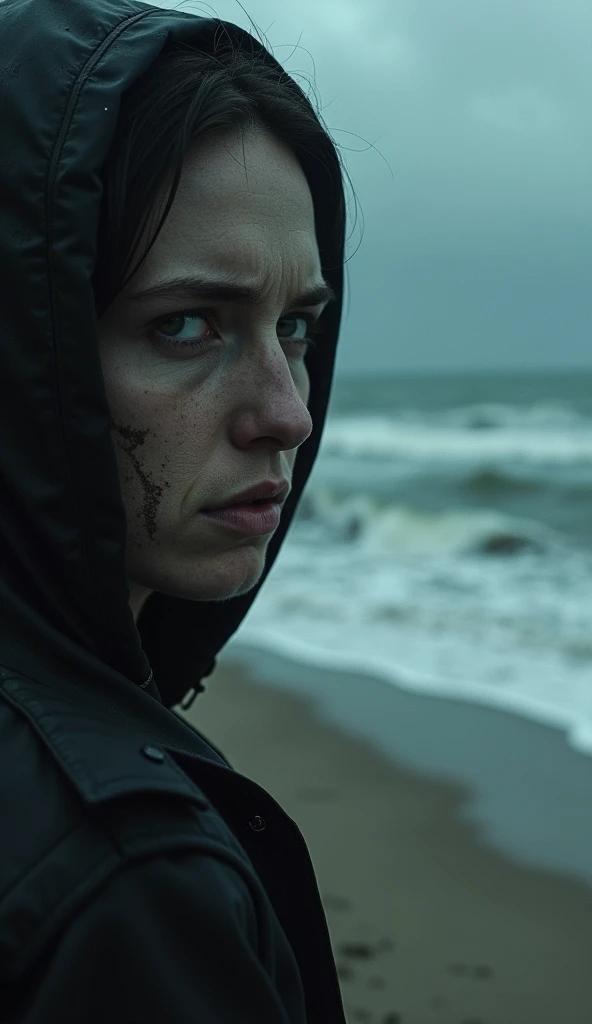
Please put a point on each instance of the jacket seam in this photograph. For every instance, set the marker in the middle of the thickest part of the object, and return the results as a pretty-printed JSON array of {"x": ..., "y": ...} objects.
[
  {"x": 52, "y": 171},
  {"x": 25, "y": 957},
  {"x": 33, "y": 867}
]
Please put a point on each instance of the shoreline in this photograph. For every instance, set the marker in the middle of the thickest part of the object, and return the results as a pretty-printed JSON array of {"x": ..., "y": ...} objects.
[
  {"x": 578, "y": 733},
  {"x": 528, "y": 791},
  {"x": 428, "y": 922}
]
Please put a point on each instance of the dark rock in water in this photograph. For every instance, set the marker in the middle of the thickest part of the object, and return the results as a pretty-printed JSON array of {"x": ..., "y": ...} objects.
[
  {"x": 508, "y": 544},
  {"x": 493, "y": 482},
  {"x": 480, "y": 421},
  {"x": 352, "y": 529}
]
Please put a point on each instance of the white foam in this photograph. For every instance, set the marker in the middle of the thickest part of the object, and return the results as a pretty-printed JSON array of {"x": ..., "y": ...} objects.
[
  {"x": 420, "y": 441},
  {"x": 548, "y": 713},
  {"x": 365, "y": 583},
  {"x": 543, "y": 416},
  {"x": 396, "y": 528},
  {"x": 511, "y": 634}
]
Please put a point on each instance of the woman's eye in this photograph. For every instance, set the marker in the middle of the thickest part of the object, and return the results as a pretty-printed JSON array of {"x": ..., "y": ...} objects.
[
  {"x": 184, "y": 338},
  {"x": 304, "y": 337},
  {"x": 171, "y": 332}
]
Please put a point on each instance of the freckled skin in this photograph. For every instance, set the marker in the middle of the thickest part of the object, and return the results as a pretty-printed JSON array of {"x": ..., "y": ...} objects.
[{"x": 190, "y": 429}]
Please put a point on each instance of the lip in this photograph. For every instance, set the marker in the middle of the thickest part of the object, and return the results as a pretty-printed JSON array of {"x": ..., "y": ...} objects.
[
  {"x": 275, "y": 491},
  {"x": 248, "y": 520}
]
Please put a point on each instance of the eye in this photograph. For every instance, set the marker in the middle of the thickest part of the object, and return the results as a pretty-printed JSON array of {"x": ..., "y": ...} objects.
[
  {"x": 174, "y": 340},
  {"x": 303, "y": 328},
  {"x": 310, "y": 327}
]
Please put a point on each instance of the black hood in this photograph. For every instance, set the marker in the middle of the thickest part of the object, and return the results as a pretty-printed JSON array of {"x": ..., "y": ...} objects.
[{"x": 64, "y": 65}]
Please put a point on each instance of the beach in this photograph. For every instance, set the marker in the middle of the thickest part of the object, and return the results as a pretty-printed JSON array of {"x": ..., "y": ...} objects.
[{"x": 437, "y": 900}]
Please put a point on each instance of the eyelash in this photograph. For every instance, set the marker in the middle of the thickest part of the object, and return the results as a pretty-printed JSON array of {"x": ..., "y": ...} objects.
[{"x": 308, "y": 342}]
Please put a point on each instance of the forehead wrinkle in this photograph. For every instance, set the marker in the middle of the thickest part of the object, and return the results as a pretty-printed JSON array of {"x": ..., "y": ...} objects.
[
  {"x": 265, "y": 272},
  {"x": 268, "y": 246}
]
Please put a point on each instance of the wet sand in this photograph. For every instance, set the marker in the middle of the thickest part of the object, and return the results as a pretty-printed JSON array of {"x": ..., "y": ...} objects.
[{"x": 430, "y": 920}]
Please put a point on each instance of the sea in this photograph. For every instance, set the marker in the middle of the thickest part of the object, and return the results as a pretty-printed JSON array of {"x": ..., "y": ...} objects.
[{"x": 444, "y": 543}]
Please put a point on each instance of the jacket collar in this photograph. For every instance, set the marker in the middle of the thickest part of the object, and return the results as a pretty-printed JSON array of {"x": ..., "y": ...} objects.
[{"x": 140, "y": 735}]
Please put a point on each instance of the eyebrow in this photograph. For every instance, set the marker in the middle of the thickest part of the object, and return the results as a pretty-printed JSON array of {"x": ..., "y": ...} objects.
[{"x": 186, "y": 288}]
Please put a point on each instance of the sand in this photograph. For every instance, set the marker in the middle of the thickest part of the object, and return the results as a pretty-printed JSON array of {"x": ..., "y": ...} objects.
[{"x": 429, "y": 923}]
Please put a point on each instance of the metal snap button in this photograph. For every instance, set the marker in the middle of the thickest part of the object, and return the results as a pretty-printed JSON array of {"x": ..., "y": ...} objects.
[
  {"x": 153, "y": 753},
  {"x": 257, "y": 823}
]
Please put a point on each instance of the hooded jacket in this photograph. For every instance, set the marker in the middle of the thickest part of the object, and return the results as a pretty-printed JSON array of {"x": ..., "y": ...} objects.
[{"x": 142, "y": 879}]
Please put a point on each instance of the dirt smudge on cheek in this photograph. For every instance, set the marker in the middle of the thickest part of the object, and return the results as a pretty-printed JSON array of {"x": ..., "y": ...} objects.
[{"x": 134, "y": 438}]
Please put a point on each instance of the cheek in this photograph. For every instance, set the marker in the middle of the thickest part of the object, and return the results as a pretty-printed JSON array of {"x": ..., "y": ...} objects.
[
  {"x": 303, "y": 385},
  {"x": 143, "y": 475},
  {"x": 139, "y": 432}
]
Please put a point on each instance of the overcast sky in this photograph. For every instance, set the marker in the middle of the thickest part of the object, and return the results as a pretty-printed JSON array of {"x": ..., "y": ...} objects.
[{"x": 474, "y": 229}]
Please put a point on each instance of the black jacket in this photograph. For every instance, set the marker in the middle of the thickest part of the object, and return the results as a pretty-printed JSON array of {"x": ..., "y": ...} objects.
[{"x": 142, "y": 879}]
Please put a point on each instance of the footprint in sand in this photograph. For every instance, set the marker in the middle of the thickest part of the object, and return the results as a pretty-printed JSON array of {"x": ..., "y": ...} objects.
[
  {"x": 364, "y": 950},
  {"x": 357, "y": 950},
  {"x": 483, "y": 971}
]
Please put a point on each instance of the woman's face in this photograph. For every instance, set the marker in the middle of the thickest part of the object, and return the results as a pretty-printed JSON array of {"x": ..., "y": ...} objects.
[{"x": 196, "y": 423}]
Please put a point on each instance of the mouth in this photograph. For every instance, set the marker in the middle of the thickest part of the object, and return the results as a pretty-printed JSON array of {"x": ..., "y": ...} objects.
[
  {"x": 240, "y": 504},
  {"x": 249, "y": 518},
  {"x": 274, "y": 491}
]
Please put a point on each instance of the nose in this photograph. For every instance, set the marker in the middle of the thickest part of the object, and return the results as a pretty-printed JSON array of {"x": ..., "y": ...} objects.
[{"x": 274, "y": 412}]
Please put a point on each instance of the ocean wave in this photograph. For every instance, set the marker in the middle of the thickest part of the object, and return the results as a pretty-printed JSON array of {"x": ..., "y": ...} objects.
[
  {"x": 542, "y": 416},
  {"x": 449, "y": 549},
  {"x": 498, "y": 483},
  {"x": 445, "y": 440},
  {"x": 516, "y": 633},
  {"x": 374, "y": 526}
]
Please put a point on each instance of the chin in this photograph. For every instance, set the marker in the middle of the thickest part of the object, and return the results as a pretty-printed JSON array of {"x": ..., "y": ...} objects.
[
  {"x": 235, "y": 572},
  {"x": 218, "y": 578}
]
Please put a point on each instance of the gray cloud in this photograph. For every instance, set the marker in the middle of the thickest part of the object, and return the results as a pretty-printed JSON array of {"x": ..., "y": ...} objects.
[{"x": 477, "y": 198}]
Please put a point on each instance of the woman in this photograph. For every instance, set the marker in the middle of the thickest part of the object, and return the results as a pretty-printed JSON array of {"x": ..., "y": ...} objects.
[{"x": 141, "y": 878}]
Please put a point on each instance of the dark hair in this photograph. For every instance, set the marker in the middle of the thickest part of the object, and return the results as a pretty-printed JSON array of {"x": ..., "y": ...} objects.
[{"x": 190, "y": 94}]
